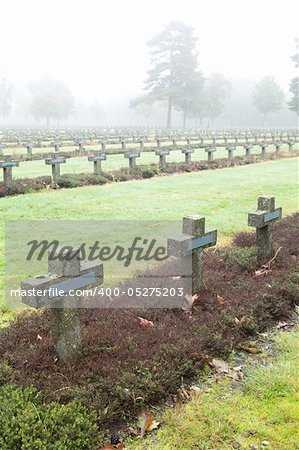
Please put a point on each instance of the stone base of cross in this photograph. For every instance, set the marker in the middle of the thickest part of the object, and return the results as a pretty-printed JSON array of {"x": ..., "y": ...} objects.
[
  {"x": 191, "y": 245},
  {"x": 59, "y": 292},
  {"x": 55, "y": 163},
  {"x": 263, "y": 220}
]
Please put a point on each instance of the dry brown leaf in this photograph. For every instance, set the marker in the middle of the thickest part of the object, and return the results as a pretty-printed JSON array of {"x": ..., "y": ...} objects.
[
  {"x": 250, "y": 348},
  {"x": 221, "y": 300},
  {"x": 145, "y": 323},
  {"x": 219, "y": 365},
  {"x": 147, "y": 423}
]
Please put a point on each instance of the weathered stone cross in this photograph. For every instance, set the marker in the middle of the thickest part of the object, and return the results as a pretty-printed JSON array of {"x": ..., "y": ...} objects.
[
  {"x": 194, "y": 240},
  {"x": 7, "y": 170},
  {"x": 263, "y": 220},
  {"x": 162, "y": 156},
  {"x": 230, "y": 151},
  {"x": 97, "y": 159},
  {"x": 132, "y": 158},
  {"x": 55, "y": 163},
  {"x": 187, "y": 151},
  {"x": 210, "y": 151},
  {"x": 60, "y": 293}
]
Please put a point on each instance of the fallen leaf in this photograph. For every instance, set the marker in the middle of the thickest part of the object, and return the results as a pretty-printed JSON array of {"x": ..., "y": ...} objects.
[
  {"x": 147, "y": 423},
  {"x": 249, "y": 348},
  {"x": 221, "y": 300},
  {"x": 146, "y": 323},
  {"x": 281, "y": 325}
]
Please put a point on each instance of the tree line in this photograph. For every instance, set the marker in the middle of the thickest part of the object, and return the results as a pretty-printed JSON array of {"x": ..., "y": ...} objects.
[{"x": 174, "y": 79}]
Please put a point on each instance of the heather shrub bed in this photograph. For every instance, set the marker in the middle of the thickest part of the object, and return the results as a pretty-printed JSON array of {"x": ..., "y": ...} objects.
[{"x": 125, "y": 367}]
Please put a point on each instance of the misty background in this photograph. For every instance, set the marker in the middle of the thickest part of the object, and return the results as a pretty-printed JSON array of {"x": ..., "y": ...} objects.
[{"x": 98, "y": 49}]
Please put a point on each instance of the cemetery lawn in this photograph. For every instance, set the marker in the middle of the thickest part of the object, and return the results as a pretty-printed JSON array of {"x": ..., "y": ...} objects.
[
  {"x": 223, "y": 196},
  {"x": 224, "y": 416}
]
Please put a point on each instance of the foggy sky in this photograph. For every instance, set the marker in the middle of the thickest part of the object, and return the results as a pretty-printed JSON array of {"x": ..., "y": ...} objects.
[{"x": 98, "y": 47}]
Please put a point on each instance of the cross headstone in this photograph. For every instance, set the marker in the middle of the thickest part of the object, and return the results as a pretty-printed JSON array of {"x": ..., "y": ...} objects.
[
  {"x": 2, "y": 147},
  {"x": 290, "y": 144},
  {"x": 230, "y": 151},
  {"x": 97, "y": 160},
  {"x": 123, "y": 144},
  {"x": 248, "y": 148},
  {"x": 80, "y": 143},
  {"x": 132, "y": 155},
  {"x": 7, "y": 170},
  {"x": 56, "y": 145},
  {"x": 29, "y": 148},
  {"x": 58, "y": 292},
  {"x": 188, "y": 140},
  {"x": 191, "y": 245},
  {"x": 141, "y": 143},
  {"x": 277, "y": 146},
  {"x": 263, "y": 220},
  {"x": 210, "y": 151},
  {"x": 162, "y": 156},
  {"x": 263, "y": 147},
  {"x": 103, "y": 143},
  {"x": 187, "y": 151},
  {"x": 174, "y": 142},
  {"x": 55, "y": 163},
  {"x": 158, "y": 142}
]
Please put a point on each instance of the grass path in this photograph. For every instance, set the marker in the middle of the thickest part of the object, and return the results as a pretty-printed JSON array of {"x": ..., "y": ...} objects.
[{"x": 263, "y": 414}]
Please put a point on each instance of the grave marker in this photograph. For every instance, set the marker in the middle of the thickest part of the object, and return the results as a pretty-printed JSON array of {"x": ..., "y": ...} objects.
[
  {"x": 2, "y": 147},
  {"x": 55, "y": 163},
  {"x": 263, "y": 220},
  {"x": 263, "y": 147},
  {"x": 191, "y": 245},
  {"x": 187, "y": 151},
  {"x": 132, "y": 158},
  {"x": 7, "y": 170},
  {"x": 230, "y": 149},
  {"x": 97, "y": 160},
  {"x": 210, "y": 151},
  {"x": 248, "y": 148},
  {"x": 69, "y": 275},
  {"x": 162, "y": 156}
]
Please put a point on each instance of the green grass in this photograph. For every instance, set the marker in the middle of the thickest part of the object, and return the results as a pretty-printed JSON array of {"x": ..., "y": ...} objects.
[
  {"x": 223, "y": 196},
  {"x": 265, "y": 409},
  {"x": 31, "y": 169}
]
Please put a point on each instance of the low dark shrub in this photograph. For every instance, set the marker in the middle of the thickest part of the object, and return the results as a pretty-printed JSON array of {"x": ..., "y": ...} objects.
[{"x": 26, "y": 423}]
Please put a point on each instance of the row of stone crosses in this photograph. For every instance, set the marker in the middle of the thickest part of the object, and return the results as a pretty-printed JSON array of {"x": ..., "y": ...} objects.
[
  {"x": 135, "y": 134},
  {"x": 132, "y": 155},
  {"x": 72, "y": 274}
]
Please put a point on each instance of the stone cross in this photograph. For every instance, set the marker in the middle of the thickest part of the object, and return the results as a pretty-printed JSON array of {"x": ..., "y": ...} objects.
[
  {"x": 7, "y": 170},
  {"x": 80, "y": 143},
  {"x": 174, "y": 142},
  {"x": 2, "y": 147},
  {"x": 262, "y": 220},
  {"x": 191, "y": 245},
  {"x": 55, "y": 163},
  {"x": 123, "y": 144},
  {"x": 202, "y": 140},
  {"x": 103, "y": 143},
  {"x": 188, "y": 140},
  {"x": 141, "y": 142},
  {"x": 29, "y": 148},
  {"x": 277, "y": 144},
  {"x": 158, "y": 140},
  {"x": 210, "y": 151},
  {"x": 290, "y": 144},
  {"x": 59, "y": 292},
  {"x": 187, "y": 151},
  {"x": 132, "y": 158},
  {"x": 56, "y": 145},
  {"x": 263, "y": 147},
  {"x": 162, "y": 156},
  {"x": 248, "y": 148},
  {"x": 225, "y": 139},
  {"x": 97, "y": 159},
  {"x": 230, "y": 149}
]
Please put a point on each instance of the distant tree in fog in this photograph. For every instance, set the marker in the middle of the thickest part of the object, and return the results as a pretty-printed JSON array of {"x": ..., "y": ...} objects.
[
  {"x": 174, "y": 73},
  {"x": 6, "y": 93},
  {"x": 294, "y": 83},
  {"x": 216, "y": 92},
  {"x": 267, "y": 96},
  {"x": 51, "y": 100}
]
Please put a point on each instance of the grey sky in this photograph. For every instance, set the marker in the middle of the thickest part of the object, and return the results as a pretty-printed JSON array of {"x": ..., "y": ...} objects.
[{"x": 98, "y": 47}]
